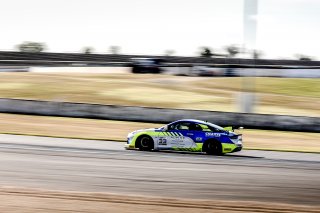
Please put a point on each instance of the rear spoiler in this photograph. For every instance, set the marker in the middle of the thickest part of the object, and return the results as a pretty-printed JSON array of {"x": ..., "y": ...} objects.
[{"x": 232, "y": 128}]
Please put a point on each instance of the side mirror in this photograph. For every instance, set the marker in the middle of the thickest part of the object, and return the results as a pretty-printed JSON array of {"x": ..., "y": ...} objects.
[{"x": 165, "y": 128}]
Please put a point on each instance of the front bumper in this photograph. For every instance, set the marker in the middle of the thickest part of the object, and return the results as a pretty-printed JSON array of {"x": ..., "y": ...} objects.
[{"x": 129, "y": 146}]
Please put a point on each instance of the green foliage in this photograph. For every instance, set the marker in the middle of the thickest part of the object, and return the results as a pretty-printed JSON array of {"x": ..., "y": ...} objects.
[
  {"x": 169, "y": 52},
  {"x": 115, "y": 50},
  {"x": 29, "y": 46},
  {"x": 206, "y": 52},
  {"x": 87, "y": 50},
  {"x": 232, "y": 50},
  {"x": 302, "y": 57}
]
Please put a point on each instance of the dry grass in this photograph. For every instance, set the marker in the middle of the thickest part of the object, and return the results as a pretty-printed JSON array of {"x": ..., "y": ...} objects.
[
  {"x": 118, "y": 130},
  {"x": 274, "y": 95}
]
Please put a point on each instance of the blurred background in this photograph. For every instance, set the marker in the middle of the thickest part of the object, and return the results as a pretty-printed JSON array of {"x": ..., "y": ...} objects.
[
  {"x": 259, "y": 57},
  {"x": 221, "y": 45},
  {"x": 250, "y": 56}
]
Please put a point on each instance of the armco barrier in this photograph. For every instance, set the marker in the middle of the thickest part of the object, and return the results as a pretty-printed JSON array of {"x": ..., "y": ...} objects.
[
  {"x": 43, "y": 58},
  {"x": 158, "y": 115}
]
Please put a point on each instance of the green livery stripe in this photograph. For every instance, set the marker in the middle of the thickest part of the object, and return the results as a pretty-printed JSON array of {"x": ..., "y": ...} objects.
[
  {"x": 228, "y": 147},
  {"x": 187, "y": 149},
  {"x": 176, "y": 134}
]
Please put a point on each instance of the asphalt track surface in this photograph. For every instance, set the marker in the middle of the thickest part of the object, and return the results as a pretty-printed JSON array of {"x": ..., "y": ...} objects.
[{"x": 104, "y": 166}]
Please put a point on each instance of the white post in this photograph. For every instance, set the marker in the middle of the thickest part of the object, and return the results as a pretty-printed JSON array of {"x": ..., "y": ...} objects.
[{"x": 250, "y": 11}]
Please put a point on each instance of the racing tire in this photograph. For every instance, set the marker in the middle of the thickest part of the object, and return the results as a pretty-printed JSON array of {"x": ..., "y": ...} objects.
[
  {"x": 213, "y": 148},
  {"x": 145, "y": 143}
]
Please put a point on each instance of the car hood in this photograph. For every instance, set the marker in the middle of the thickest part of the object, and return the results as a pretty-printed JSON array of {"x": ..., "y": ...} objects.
[{"x": 144, "y": 130}]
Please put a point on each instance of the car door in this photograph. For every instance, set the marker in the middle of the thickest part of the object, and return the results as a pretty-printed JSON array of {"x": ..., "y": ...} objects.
[
  {"x": 169, "y": 138},
  {"x": 184, "y": 138},
  {"x": 195, "y": 133}
]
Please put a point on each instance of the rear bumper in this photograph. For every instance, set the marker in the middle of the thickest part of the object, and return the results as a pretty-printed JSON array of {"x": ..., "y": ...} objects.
[{"x": 238, "y": 148}]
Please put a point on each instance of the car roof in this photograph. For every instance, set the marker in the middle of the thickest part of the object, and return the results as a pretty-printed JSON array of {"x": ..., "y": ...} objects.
[
  {"x": 198, "y": 121},
  {"x": 191, "y": 120}
]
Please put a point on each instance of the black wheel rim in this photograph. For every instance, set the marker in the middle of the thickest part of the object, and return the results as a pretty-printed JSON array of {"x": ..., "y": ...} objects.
[
  {"x": 212, "y": 146},
  {"x": 145, "y": 142}
]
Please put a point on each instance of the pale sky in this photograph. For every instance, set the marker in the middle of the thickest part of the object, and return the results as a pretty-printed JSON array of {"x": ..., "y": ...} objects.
[{"x": 285, "y": 27}]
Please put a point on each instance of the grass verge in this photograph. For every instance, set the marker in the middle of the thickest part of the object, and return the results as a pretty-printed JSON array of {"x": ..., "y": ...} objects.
[{"x": 289, "y": 96}]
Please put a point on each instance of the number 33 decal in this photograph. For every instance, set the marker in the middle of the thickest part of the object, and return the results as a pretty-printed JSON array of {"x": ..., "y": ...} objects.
[{"x": 162, "y": 141}]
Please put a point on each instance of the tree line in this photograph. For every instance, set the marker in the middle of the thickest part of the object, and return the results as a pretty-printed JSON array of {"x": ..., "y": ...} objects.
[{"x": 230, "y": 51}]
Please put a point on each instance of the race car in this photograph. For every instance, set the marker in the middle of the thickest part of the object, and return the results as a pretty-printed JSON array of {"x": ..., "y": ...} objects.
[
  {"x": 146, "y": 65},
  {"x": 187, "y": 135}
]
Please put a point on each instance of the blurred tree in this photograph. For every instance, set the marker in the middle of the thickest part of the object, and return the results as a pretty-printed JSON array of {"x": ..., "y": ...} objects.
[
  {"x": 257, "y": 54},
  {"x": 29, "y": 46},
  {"x": 169, "y": 52},
  {"x": 206, "y": 52},
  {"x": 87, "y": 50},
  {"x": 115, "y": 50},
  {"x": 302, "y": 57},
  {"x": 232, "y": 50}
]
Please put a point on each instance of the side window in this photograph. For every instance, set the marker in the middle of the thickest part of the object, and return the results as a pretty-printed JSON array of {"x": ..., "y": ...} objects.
[
  {"x": 195, "y": 127},
  {"x": 205, "y": 128},
  {"x": 183, "y": 126},
  {"x": 180, "y": 126},
  {"x": 192, "y": 127},
  {"x": 200, "y": 127}
]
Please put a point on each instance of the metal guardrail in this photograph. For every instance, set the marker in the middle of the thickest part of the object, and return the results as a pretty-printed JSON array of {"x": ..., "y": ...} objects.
[{"x": 60, "y": 59}]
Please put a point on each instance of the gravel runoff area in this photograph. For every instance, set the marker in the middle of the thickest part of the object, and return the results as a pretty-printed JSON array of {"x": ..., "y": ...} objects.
[
  {"x": 34, "y": 201},
  {"x": 118, "y": 130}
]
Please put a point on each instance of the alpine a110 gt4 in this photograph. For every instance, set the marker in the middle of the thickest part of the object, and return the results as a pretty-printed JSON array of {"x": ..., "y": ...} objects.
[{"x": 187, "y": 135}]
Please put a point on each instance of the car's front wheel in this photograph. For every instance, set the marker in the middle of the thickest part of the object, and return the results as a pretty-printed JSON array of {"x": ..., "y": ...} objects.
[
  {"x": 213, "y": 148},
  {"x": 145, "y": 143}
]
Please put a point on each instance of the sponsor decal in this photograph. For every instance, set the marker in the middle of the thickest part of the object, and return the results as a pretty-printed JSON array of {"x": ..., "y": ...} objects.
[
  {"x": 214, "y": 134},
  {"x": 198, "y": 139}
]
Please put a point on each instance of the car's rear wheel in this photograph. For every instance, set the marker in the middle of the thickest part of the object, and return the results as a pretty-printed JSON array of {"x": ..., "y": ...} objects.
[
  {"x": 213, "y": 148},
  {"x": 145, "y": 143}
]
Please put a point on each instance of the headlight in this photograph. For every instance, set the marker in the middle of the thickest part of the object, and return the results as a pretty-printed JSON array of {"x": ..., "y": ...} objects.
[{"x": 130, "y": 136}]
